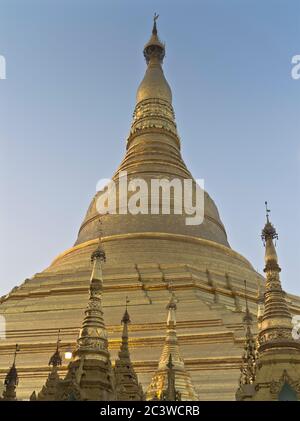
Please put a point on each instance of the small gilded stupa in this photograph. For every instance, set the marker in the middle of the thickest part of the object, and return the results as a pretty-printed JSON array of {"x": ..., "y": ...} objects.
[
  {"x": 171, "y": 362},
  {"x": 126, "y": 383},
  {"x": 146, "y": 253}
]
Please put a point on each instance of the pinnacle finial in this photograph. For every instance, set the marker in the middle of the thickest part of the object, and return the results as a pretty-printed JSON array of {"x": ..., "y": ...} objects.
[
  {"x": 275, "y": 324},
  {"x": 126, "y": 318},
  {"x": 155, "y": 17},
  {"x": 99, "y": 253},
  {"x": 154, "y": 49},
  {"x": 17, "y": 349},
  {"x": 172, "y": 302},
  {"x": 269, "y": 231},
  {"x": 247, "y": 317},
  {"x": 56, "y": 359},
  {"x": 267, "y": 211}
]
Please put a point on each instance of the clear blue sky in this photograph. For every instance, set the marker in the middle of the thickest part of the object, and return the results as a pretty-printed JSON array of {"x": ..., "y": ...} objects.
[{"x": 65, "y": 111}]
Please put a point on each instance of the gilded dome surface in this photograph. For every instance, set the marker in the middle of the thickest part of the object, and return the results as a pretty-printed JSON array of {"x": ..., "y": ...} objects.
[{"x": 153, "y": 152}]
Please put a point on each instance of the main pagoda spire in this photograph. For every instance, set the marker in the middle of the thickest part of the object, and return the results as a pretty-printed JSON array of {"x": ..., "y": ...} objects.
[
  {"x": 171, "y": 359},
  {"x": 127, "y": 387},
  {"x": 154, "y": 115}
]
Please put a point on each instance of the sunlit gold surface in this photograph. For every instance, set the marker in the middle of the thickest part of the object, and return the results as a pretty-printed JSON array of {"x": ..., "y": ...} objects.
[{"x": 144, "y": 253}]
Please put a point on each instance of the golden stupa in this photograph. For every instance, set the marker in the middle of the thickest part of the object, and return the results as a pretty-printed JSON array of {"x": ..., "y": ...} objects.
[{"x": 149, "y": 257}]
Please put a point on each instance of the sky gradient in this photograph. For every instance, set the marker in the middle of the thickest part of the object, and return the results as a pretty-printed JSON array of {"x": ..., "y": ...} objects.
[{"x": 73, "y": 68}]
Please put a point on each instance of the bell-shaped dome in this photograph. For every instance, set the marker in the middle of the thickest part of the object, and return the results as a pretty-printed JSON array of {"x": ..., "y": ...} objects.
[
  {"x": 154, "y": 85},
  {"x": 153, "y": 152}
]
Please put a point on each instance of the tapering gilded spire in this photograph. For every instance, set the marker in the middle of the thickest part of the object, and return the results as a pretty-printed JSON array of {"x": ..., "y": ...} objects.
[
  {"x": 171, "y": 343},
  {"x": 11, "y": 380},
  {"x": 93, "y": 336},
  {"x": 159, "y": 383},
  {"x": 154, "y": 111},
  {"x": 49, "y": 390},
  {"x": 248, "y": 367},
  {"x": 124, "y": 351},
  {"x": 127, "y": 387},
  {"x": 275, "y": 326},
  {"x": 89, "y": 375}
]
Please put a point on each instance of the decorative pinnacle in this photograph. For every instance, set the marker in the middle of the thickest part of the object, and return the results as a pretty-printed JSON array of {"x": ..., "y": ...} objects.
[
  {"x": 267, "y": 211},
  {"x": 56, "y": 359},
  {"x": 155, "y": 17},
  {"x": 247, "y": 318},
  {"x": 17, "y": 349},
  {"x": 171, "y": 304},
  {"x": 99, "y": 253},
  {"x": 11, "y": 378},
  {"x": 269, "y": 231},
  {"x": 126, "y": 318}
]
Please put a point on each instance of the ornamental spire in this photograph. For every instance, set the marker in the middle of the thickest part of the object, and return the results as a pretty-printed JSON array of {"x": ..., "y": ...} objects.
[
  {"x": 171, "y": 343},
  {"x": 268, "y": 235},
  {"x": 49, "y": 390},
  {"x": 93, "y": 335},
  {"x": 127, "y": 387},
  {"x": 275, "y": 326},
  {"x": 56, "y": 360},
  {"x": 248, "y": 367},
  {"x": 11, "y": 380},
  {"x": 159, "y": 384},
  {"x": 89, "y": 375},
  {"x": 277, "y": 371}
]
